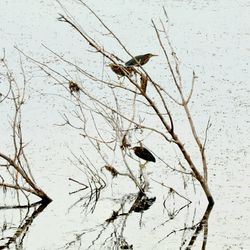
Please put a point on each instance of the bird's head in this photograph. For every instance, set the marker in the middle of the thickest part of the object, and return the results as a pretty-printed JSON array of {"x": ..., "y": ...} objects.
[{"x": 151, "y": 55}]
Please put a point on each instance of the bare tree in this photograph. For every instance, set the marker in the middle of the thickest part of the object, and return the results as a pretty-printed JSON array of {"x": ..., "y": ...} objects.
[
  {"x": 112, "y": 116},
  {"x": 16, "y": 171},
  {"x": 145, "y": 99},
  {"x": 11, "y": 235}
]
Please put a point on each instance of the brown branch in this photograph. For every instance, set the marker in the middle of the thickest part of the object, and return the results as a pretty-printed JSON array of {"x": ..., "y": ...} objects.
[
  {"x": 198, "y": 176},
  {"x": 5, "y": 185},
  {"x": 191, "y": 90},
  {"x": 172, "y": 190},
  {"x": 37, "y": 190}
]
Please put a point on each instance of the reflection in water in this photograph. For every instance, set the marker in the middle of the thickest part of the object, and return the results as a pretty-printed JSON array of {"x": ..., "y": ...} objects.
[
  {"x": 202, "y": 225},
  {"x": 95, "y": 183},
  {"x": 142, "y": 203},
  {"x": 116, "y": 223},
  {"x": 187, "y": 241},
  {"x": 16, "y": 238},
  {"x": 112, "y": 233}
]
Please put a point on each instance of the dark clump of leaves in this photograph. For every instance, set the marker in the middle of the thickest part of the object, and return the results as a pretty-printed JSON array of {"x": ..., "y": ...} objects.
[
  {"x": 125, "y": 143},
  {"x": 73, "y": 87},
  {"x": 112, "y": 170}
]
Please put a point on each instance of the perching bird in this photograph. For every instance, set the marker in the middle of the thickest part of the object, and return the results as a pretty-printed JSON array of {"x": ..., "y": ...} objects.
[
  {"x": 139, "y": 60},
  {"x": 144, "y": 154},
  {"x": 121, "y": 70}
]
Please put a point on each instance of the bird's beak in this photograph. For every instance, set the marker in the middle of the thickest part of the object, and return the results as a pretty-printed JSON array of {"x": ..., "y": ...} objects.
[{"x": 153, "y": 55}]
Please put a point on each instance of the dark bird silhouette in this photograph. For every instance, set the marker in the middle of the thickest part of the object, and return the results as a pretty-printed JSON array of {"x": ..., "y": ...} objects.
[
  {"x": 121, "y": 70},
  {"x": 139, "y": 60},
  {"x": 144, "y": 154}
]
